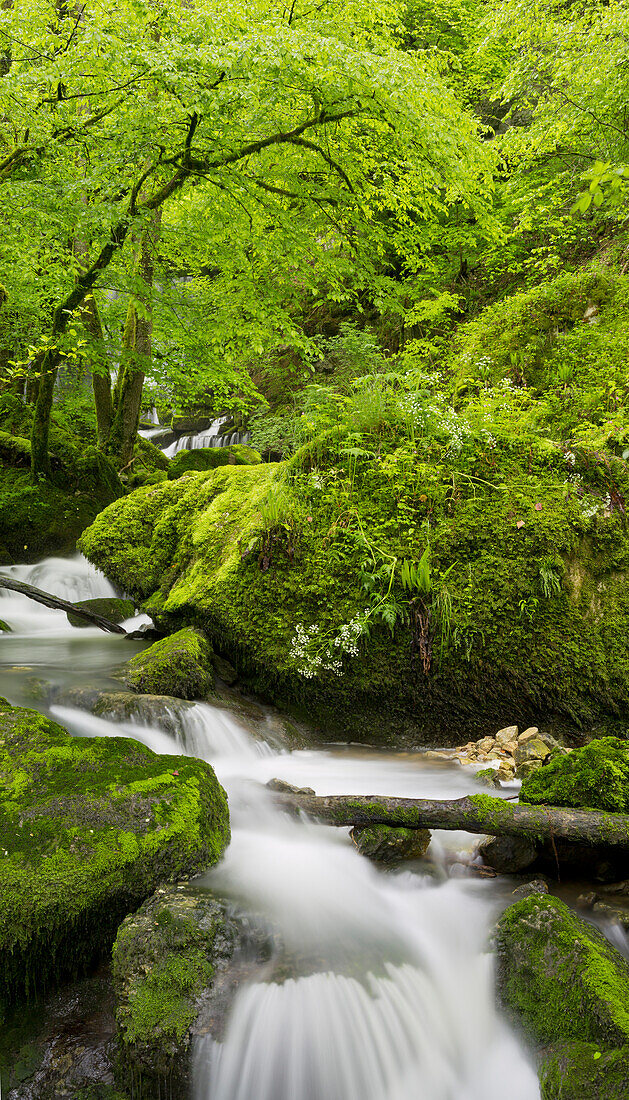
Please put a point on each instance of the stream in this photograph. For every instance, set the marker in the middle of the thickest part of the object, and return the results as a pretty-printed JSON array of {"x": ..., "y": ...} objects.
[{"x": 395, "y": 999}]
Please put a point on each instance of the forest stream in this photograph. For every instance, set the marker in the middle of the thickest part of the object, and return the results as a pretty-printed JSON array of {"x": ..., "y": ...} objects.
[{"x": 395, "y": 1001}]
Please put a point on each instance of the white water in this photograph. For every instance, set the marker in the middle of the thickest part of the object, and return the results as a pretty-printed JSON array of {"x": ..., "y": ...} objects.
[
  {"x": 390, "y": 996},
  {"x": 212, "y": 437}
]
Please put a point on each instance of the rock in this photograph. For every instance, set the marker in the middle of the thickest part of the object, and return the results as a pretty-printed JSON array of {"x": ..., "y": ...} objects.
[
  {"x": 433, "y": 754},
  {"x": 485, "y": 744},
  {"x": 510, "y": 747},
  {"x": 528, "y": 734},
  {"x": 509, "y": 733},
  {"x": 620, "y": 888},
  {"x": 287, "y": 788},
  {"x": 535, "y": 886},
  {"x": 174, "y": 976},
  {"x": 191, "y": 423},
  {"x": 179, "y": 665},
  {"x": 505, "y": 772},
  {"x": 89, "y": 828},
  {"x": 534, "y": 750},
  {"x": 508, "y": 854},
  {"x": 488, "y": 776},
  {"x": 116, "y": 610},
  {"x": 382, "y": 844},
  {"x": 586, "y": 900},
  {"x": 612, "y": 912},
  {"x": 224, "y": 670},
  {"x": 209, "y": 458},
  {"x": 595, "y": 777},
  {"x": 582, "y": 1071},
  {"x": 559, "y": 976}
]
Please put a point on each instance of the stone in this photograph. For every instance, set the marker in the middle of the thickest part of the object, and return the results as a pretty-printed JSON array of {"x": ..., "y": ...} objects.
[
  {"x": 535, "y": 886},
  {"x": 89, "y": 827},
  {"x": 528, "y": 734},
  {"x": 224, "y": 669},
  {"x": 586, "y": 900},
  {"x": 595, "y": 777},
  {"x": 509, "y": 733},
  {"x": 179, "y": 665},
  {"x": 485, "y": 744},
  {"x": 382, "y": 844},
  {"x": 612, "y": 912},
  {"x": 116, "y": 610},
  {"x": 559, "y": 976},
  {"x": 203, "y": 459},
  {"x": 508, "y": 854},
  {"x": 535, "y": 749},
  {"x": 510, "y": 747},
  {"x": 582, "y": 1071}
]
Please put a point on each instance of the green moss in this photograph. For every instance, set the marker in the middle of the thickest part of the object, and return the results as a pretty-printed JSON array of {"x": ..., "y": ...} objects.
[
  {"x": 595, "y": 777},
  {"x": 582, "y": 1071},
  {"x": 88, "y": 829},
  {"x": 209, "y": 458},
  {"x": 180, "y": 665},
  {"x": 116, "y": 610},
  {"x": 559, "y": 975}
]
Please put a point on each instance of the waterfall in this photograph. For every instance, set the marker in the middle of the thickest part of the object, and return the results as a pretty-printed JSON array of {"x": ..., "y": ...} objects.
[{"x": 211, "y": 437}]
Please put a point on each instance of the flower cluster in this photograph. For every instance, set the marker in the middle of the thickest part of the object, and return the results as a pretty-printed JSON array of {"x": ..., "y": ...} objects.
[{"x": 314, "y": 653}]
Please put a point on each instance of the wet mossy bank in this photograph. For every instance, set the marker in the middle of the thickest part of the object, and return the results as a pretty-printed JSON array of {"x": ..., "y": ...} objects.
[
  {"x": 89, "y": 828},
  {"x": 295, "y": 571}
]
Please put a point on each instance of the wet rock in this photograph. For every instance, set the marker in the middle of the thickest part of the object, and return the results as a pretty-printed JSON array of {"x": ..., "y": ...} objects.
[
  {"x": 582, "y": 1071},
  {"x": 485, "y": 744},
  {"x": 621, "y": 888},
  {"x": 595, "y": 777},
  {"x": 383, "y": 844},
  {"x": 534, "y": 750},
  {"x": 535, "y": 886},
  {"x": 287, "y": 788},
  {"x": 559, "y": 976},
  {"x": 174, "y": 976},
  {"x": 508, "y": 854},
  {"x": 88, "y": 828},
  {"x": 528, "y": 734},
  {"x": 586, "y": 900},
  {"x": 179, "y": 665},
  {"x": 116, "y": 610},
  {"x": 612, "y": 912}
]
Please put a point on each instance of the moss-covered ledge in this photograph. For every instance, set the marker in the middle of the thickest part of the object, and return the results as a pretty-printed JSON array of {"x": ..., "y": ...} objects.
[
  {"x": 179, "y": 665},
  {"x": 88, "y": 829}
]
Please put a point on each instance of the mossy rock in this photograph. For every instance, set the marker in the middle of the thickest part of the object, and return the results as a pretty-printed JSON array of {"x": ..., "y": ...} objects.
[
  {"x": 165, "y": 958},
  {"x": 116, "y": 610},
  {"x": 582, "y": 1071},
  {"x": 559, "y": 976},
  {"x": 180, "y": 665},
  {"x": 209, "y": 458},
  {"x": 383, "y": 844},
  {"x": 89, "y": 828},
  {"x": 595, "y": 777}
]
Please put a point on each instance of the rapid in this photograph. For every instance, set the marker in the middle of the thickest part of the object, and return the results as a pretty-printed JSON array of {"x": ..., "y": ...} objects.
[{"x": 390, "y": 991}]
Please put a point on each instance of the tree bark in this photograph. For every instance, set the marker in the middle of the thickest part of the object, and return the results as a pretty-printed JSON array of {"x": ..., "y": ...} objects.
[
  {"x": 475, "y": 814},
  {"x": 60, "y": 605}
]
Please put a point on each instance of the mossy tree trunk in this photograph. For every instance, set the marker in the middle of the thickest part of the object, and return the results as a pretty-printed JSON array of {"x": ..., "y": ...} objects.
[{"x": 138, "y": 336}]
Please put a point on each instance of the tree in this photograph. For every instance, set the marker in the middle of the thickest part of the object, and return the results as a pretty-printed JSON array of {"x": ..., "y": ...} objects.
[{"x": 307, "y": 141}]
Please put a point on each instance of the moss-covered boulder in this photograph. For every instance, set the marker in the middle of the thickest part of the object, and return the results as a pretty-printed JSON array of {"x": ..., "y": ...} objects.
[
  {"x": 88, "y": 829},
  {"x": 595, "y": 777},
  {"x": 582, "y": 1071},
  {"x": 559, "y": 976},
  {"x": 180, "y": 665},
  {"x": 382, "y": 844},
  {"x": 165, "y": 959},
  {"x": 116, "y": 610},
  {"x": 208, "y": 458}
]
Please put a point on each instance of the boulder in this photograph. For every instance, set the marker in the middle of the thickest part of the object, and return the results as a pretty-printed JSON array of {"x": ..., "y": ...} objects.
[
  {"x": 179, "y": 665},
  {"x": 174, "y": 975},
  {"x": 382, "y": 844},
  {"x": 89, "y": 828},
  {"x": 116, "y": 610},
  {"x": 528, "y": 734},
  {"x": 535, "y": 886},
  {"x": 509, "y": 733},
  {"x": 595, "y": 777},
  {"x": 582, "y": 1071},
  {"x": 508, "y": 854},
  {"x": 559, "y": 976},
  {"x": 209, "y": 458}
]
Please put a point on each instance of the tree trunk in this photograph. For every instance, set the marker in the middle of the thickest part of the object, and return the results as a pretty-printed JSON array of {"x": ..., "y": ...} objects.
[
  {"x": 99, "y": 369},
  {"x": 60, "y": 605},
  {"x": 40, "y": 460},
  {"x": 137, "y": 353},
  {"x": 475, "y": 814}
]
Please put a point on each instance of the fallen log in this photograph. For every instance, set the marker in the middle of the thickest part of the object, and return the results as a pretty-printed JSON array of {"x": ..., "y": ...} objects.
[
  {"x": 58, "y": 604},
  {"x": 478, "y": 813}
]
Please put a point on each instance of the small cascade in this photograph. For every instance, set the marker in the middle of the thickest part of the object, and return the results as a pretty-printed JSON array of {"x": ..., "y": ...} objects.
[
  {"x": 211, "y": 437},
  {"x": 72, "y": 579}
]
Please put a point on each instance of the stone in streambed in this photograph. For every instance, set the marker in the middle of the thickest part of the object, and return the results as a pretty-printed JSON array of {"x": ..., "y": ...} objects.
[
  {"x": 559, "y": 976},
  {"x": 595, "y": 777},
  {"x": 88, "y": 828},
  {"x": 174, "y": 975},
  {"x": 508, "y": 854},
  {"x": 582, "y": 1071},
  {"x": 535, "y": 886},
  {"x": 382, "y": 844},
  {"x": 179, "y": 665},
  {"x": 504, "y": 736},
  {"x": 116, "y": 610}
]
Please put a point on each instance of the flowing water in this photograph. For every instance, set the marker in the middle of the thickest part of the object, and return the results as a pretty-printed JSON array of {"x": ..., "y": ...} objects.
[
  {"x": 390, "y": 993},
  {"x": 214, "y": 436}
]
